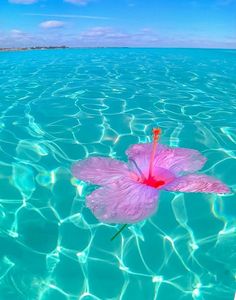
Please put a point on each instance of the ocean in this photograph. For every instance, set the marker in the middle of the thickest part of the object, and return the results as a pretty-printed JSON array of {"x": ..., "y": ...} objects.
[{"x": 60, "y": 106}]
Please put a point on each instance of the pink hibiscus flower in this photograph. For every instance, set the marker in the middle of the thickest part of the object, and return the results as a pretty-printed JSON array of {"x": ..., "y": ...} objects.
[{"x": 130, "y": 192}]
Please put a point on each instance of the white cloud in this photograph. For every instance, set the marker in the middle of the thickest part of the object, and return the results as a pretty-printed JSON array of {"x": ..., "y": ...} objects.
[
  {"x": 117, "y": 35},
  {"x": 77, "y": 2},
  {"x": 52, "y": 24},
  {"x": 16, "y": 33},
  {"x": 23, "y": 1},
  {"x": 68, "y": 16},
  {"x": 15, "y": 38},
  {"x": 112, "y": 37},
  {"x": 109, "y": 33},
  {"x": 96, "y": 32}
]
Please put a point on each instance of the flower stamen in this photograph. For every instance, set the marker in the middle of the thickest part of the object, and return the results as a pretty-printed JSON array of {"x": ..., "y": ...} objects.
[{"x": 156, "y": 136}]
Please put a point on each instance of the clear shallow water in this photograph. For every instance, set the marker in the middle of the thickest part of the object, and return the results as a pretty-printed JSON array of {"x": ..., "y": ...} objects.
[{"x": 61, "y": 106}]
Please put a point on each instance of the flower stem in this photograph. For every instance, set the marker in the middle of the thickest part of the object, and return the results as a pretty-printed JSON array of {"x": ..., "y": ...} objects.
[{"x": 118, "y": 232}]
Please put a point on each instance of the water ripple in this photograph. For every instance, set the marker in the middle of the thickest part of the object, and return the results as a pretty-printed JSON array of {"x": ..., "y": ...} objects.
[{"x": 61, "y": 106}]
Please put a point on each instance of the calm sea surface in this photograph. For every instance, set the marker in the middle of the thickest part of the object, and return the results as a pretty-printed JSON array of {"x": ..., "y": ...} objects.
[{"x": 60, "y": 106}]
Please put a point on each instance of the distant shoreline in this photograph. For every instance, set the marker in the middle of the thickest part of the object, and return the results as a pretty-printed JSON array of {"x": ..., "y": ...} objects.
[
  {"x": 32, "y": 48},
  {"x": 54, "y": 48}
]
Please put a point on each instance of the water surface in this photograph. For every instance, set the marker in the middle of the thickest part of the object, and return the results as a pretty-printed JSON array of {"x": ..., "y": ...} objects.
[{"x": 61, "y": 106}]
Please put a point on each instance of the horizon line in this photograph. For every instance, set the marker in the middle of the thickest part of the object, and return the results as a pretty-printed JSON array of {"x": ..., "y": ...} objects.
[{"x": 64, "y": 47}]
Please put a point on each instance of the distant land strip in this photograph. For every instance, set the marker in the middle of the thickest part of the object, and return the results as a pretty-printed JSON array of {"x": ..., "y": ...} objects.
[{"x": 32, "y": 48}]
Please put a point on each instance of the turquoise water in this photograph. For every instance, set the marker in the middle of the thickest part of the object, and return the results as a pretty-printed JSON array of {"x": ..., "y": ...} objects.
[{"x": 61, "y": 106}]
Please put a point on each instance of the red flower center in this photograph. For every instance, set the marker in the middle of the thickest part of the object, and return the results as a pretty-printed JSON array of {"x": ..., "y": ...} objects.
[{"x": 153, "y": 182}]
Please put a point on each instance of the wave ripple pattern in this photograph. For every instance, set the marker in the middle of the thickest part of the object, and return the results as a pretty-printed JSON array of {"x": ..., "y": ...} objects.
[{"x": 60, "y": 106}]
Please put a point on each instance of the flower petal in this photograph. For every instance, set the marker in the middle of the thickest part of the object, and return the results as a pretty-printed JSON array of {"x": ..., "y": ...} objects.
[
  {"x": 176, "y": 160},
  {"x": 198, "y": 183},
  {"x": 99, "y": 170},
  {"x": 124, "y": 201}
]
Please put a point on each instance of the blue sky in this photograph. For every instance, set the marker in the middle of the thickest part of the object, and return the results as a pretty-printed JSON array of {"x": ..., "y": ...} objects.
[{"x": 137, "y": 23}]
